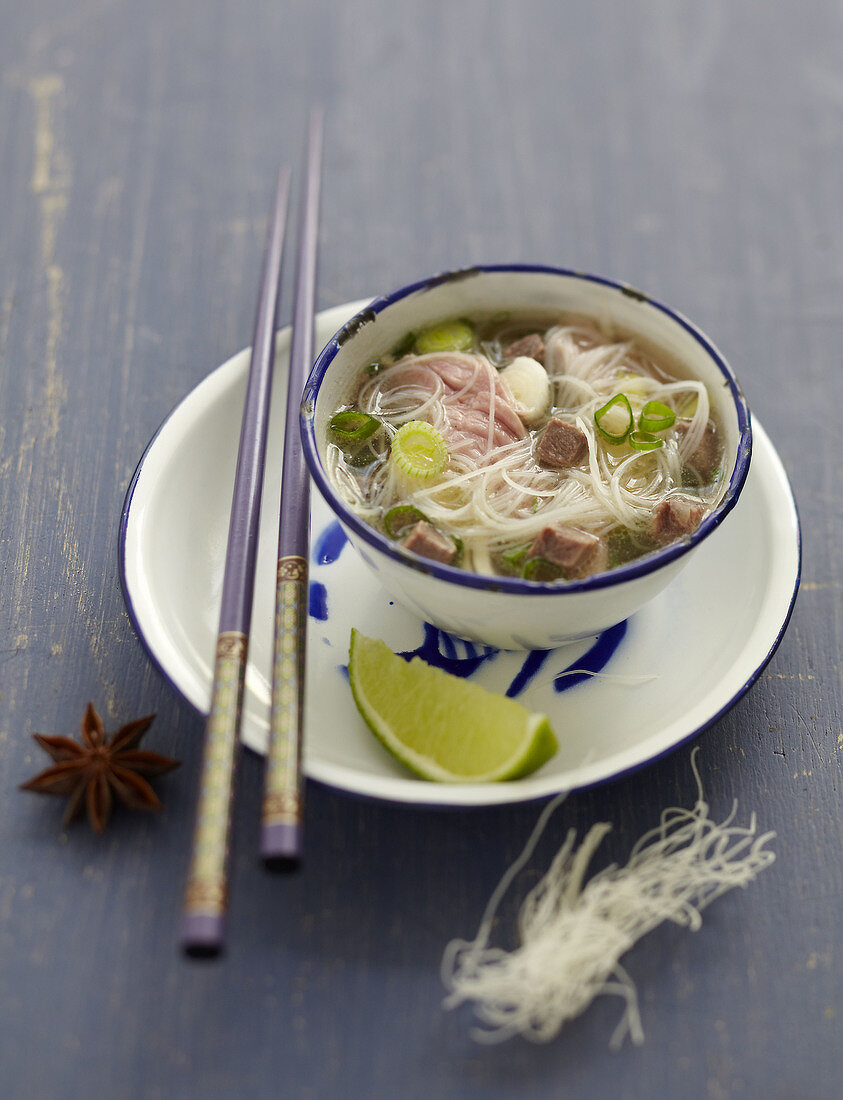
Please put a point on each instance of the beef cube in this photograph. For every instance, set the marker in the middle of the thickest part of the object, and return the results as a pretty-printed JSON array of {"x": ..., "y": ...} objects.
[
  {"x": 532, "y": 345},
  {"x": 675, "y": 518},
  {"x": 561, "y": 445},
  {"x": 706, "y": 457},
  {"x": 430, "y": 543},
  {"x": 576, "y": 552}
]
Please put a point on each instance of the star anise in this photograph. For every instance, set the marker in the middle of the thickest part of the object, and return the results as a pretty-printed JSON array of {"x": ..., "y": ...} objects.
[{"x": 91, "y": 772}]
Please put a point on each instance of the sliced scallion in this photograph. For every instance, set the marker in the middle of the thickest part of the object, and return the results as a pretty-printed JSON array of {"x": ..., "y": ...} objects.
[
  {"x": 614, "y": 420},
  {"x": 361, "y": 457},
  {"x": 645, "y": 441},
  {"x": 656, "y": 417},
  {"x": 540, "y": 569},
  {"x": 514, "y": 557},
  {"x": 451, "y": 336},
  {"x": 401, "y": 518},
  {"x": 419, "y": 450},
  {"x": 404, "y": 346},
  {"x": 351, "y": 426}
]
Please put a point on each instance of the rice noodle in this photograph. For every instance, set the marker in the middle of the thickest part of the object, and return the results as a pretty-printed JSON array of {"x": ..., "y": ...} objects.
[
  {"x": 493, "y": 493},
  {"x": 572, "y": 936}
]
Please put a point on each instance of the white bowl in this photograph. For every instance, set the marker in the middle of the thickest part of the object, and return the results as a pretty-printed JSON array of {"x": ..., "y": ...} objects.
[{"x": 509, "y": 612}]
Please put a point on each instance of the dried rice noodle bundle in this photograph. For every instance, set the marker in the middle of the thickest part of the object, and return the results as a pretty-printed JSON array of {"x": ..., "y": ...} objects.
[{"x": 572, "y": 936}]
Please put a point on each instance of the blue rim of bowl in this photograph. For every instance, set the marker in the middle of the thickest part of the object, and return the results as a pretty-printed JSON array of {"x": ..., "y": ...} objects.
[{"x": 515, "y": 585}]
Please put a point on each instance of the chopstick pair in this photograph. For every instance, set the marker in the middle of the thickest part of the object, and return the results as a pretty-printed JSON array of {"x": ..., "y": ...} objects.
[{"x": 205, "y": 901}]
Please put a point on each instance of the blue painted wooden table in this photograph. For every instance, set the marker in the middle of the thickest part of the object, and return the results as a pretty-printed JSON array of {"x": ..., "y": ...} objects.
[{"x": 693, "y": 150}]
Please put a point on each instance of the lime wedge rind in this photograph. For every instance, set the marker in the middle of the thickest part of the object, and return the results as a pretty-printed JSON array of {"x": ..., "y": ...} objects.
[{"x": 470, "y": 735}]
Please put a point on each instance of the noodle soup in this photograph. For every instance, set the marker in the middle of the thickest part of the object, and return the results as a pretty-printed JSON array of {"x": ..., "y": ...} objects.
[
  {"x": 547, "y": 447},
  {"x": 454, "y": 463}
]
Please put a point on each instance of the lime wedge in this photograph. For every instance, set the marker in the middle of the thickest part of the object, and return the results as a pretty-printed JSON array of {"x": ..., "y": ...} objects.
[{"x": 441, "y": 727}]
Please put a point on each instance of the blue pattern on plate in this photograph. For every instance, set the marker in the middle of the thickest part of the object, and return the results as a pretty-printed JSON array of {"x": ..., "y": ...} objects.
[
  {"x": 532, "y": 663},
  {"x": 436, "y": 641},
  {"x": 594, "y": 660},
  {"x": 329, "y": 545},
  {"x": 458, "y": 656},
  {"x": 318, "y": 602}
]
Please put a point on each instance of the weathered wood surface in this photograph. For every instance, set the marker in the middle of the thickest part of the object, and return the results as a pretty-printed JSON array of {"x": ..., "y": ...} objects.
[{"x": 693, "y": 149}]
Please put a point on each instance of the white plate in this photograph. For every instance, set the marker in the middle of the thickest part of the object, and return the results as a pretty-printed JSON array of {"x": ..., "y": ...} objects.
[{"x": 694, "y": 650}]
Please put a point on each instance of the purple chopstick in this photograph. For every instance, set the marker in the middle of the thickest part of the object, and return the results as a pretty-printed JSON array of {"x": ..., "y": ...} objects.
[
  {"x": 281, "y": 817},
  {"x": 202, "y": 931}
]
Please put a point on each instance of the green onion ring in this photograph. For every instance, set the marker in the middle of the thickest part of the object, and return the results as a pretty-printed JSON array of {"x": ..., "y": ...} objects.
[
  {"x": 514, "y": 557},
  {"x": 352, "y": 426},
  {"x": 656, "y": 417},
  {"x": 645, "y": 441},
  {"x": 404, "y": 346},
  {"x": 449, "y": 336},
  {"x": 546, "y": 570},
  {"x": 399, "y": 519},
  {"x": 620, "y": 399},
  {"x": 418, "y": 450}
]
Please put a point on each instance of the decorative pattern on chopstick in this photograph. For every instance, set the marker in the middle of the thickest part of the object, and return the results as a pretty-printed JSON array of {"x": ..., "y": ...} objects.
[
  {"x": 282, "y": 795},
  {"x": 206, "y": 892},
  {"x": 281, "y": 836},
  {"x": 203, "y": 929}
]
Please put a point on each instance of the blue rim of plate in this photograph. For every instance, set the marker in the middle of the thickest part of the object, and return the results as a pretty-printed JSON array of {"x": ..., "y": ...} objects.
[
  {"x": 515, "y": 585},
  {"x": 421, "y": 803}
]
